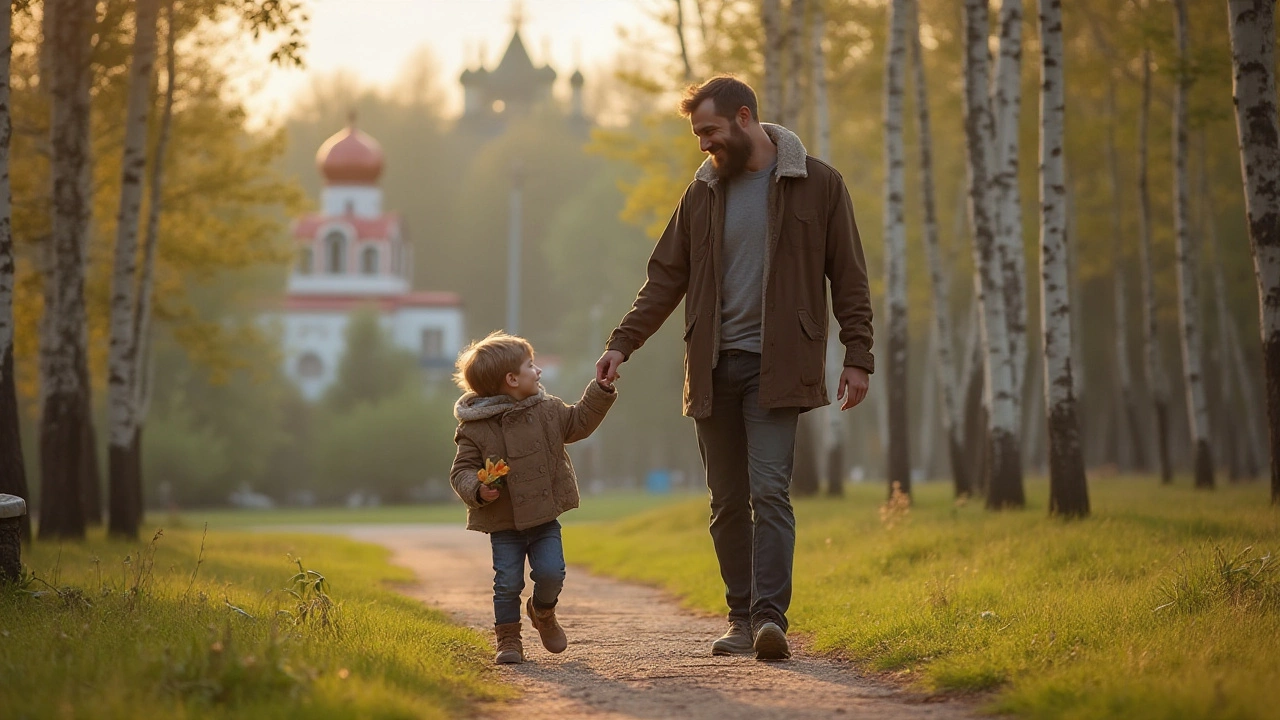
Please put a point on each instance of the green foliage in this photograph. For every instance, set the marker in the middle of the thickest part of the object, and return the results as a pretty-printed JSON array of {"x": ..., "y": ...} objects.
[
  {"x": 372, "y": 367},
  {"x": 1159, "y": 606},
  {"x": 386, "y": 447},
  {"x": 217, "y": 645}
]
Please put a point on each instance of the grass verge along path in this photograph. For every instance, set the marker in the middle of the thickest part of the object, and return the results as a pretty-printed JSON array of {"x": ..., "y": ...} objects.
[
  {"x": 1164, "y": 604},
  {"x": 166, "y": 630}
]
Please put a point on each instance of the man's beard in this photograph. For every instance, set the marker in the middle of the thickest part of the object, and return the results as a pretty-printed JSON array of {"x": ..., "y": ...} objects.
[{"x": 736, "y": 152}]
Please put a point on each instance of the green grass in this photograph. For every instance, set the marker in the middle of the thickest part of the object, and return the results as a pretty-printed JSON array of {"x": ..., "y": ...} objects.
[
  {"x": 595, "y": 508},
  {"x": 116, "y": 630},
  {"x": 1152, "y": 608}
]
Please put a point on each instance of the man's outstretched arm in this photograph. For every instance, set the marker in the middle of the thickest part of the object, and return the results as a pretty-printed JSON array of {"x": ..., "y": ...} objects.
[{"x": 666, "y": 281}]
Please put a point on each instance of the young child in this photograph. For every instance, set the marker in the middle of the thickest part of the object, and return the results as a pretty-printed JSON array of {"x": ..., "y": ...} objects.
[{"x": 513, "y": 473}]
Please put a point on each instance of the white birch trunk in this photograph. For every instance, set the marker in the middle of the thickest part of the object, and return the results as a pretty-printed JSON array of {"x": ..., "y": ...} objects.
[
  {"x": 13, "y": 474},
  {"x": 771, "y": 100},
  {"x": 1004, "y": 487},
  {"x": 796, "y": 45},
  {"x": 939, "y": 279},
  {"x": 1188, "y": 293},
  {"x": 1257, "y": 455},
  {"x": 928, "y": 410},
  {"x": 1068, "y": 492},
  {"x": 822, "y": 120},
  {"x": 122, "y": 400},
  {"x": 1229, "y": 420},
  {"x": 65, "y": 411},
  {"x": 1006, "y": 105},
  {"x": 1157, "y": 383},
  {"x": 1124, "y": 375},
  {"x": 1253, "y": 36},
  {"x": 895, "y": 240}
]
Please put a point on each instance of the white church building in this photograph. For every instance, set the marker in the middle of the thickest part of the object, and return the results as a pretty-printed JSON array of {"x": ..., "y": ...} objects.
[{"x": 353, "y": 254}]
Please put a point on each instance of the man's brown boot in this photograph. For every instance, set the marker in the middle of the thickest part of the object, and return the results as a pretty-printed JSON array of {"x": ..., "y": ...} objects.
[
  {"x": 548, "y": 628},
  {"x": 510, "y": 649}
]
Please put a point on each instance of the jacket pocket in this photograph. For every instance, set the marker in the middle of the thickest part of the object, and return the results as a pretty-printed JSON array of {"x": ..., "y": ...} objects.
[
  {"x": 813, "y": 329},
  {"x": 688, "y": 326},
  {"x": 812, "y": 353}
]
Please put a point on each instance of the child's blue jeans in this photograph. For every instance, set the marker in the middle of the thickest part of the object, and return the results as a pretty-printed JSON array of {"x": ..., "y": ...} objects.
[{"x": 541, "y": 544}]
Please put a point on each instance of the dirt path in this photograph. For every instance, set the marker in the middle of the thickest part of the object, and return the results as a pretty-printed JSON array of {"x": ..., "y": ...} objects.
[{"x": 633, "y": 652}]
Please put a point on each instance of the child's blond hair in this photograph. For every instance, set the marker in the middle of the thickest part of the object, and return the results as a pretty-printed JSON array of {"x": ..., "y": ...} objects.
[{"x": 483, "y": 365}]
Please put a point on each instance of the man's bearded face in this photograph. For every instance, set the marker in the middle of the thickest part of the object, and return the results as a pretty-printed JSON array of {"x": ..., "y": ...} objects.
[{"x": 729, "y": 157}]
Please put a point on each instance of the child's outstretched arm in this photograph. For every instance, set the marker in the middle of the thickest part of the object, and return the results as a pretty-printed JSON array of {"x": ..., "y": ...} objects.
[
  {"x": 463, "y": 474},
  {"x": 583, "y": 417}
]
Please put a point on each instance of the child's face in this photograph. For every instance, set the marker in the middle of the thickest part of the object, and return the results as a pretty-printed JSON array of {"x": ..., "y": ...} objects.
[{"x": 524, "y": 383}]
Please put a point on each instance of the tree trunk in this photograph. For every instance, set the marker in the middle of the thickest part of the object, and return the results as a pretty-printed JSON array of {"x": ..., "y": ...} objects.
[
  {"x": 1008, "y": 196},
  {"x": 895, "y": 240},
  {"x": 1153, "y": 366},
  {"x": 1253, "y": 34},
  {"x": 13, "y": 473},
  {"x": 1228, "y": 413},
  {"x": 1004, "y": 486},
  {"x": 679, "y": 27},
  {"x": 822, "y": 121},
  {"x": 792, "y": 102},
  {"x": 835, "y": 445},
  {"x": 1068, "y": 491},
  {"x": 804, "y": 470},
  {"x": 771, "y": 99},
  {"x": 140, "y": 375},
  {"x": 1124, "y": 376},
  {"x": 1188, "y": 293},
  {"x": 121, "y": 361},
  {"x": 939, "y": 281},
  {"x": 1254, "y": 451},
  {"x": 977, "y": 443},
  {"x": 65, "y": 399}
]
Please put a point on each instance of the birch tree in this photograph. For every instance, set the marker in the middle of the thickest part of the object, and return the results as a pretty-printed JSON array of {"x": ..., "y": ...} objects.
[
  {"x": 895, "y": 241},
  {"x": 1252, "y": 26},
  {"x": 818, "y": 60},
  {"x": 1068, "y": 493},
  {"x": 121, "y": 362},
  {"x": 1124, "y": 376},
  {"x": 939, "y": 278},
  {"x": 1188, "y": 293},
  {"x": 65, "y": 398},
  {"x": 771, "y": 21},
  {"x": 796, "y": 46},
  {"x": 1006, "y": 103},
  {"x": 140, "y": 374},
  {"x": 835, "y": 425},
  {"x": 13, "y": 474},
  {"x": 1157, "y": 383},
  {"x": 1227, "y": 421},
  {"x": 1004, "y": 486}
]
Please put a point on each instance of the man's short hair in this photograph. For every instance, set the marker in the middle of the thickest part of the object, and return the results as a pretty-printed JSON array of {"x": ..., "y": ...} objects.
[
  {"x": 483, "y": 365},
  {"x": 726, "y": 91}
]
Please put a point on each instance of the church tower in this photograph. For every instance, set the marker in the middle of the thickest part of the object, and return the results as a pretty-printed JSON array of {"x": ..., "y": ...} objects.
[{"x": 353, "y": 254}]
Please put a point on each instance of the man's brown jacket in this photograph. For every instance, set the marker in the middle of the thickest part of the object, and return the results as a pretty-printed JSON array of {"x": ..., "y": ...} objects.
[{"x": 812, "y": 238}]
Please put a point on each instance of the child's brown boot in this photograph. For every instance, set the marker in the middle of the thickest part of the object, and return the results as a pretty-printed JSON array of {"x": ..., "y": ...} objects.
[
  {"x": 510, "y": 649},
  {"x": 544, "y": 621}
]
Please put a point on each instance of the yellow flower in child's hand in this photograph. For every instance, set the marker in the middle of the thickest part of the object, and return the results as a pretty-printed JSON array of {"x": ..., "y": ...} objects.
[{"x": 493, "y": 472}]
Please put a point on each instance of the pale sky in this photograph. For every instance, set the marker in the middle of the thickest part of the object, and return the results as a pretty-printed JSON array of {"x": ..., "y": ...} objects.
[{"x": 372, "y": 39}]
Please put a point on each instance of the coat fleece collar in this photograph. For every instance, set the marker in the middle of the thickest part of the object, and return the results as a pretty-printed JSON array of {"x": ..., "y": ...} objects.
[
  {"x": 791, "y": 156},
  {"x": 471, "y": 407}
]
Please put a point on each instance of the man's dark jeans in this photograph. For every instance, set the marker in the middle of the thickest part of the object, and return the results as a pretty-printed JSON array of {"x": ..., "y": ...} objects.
[
  {"x": 542, "y": 546},
  {"x": 747, "y": 451}
]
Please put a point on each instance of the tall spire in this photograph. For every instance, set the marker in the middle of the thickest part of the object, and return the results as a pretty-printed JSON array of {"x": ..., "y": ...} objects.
[{"x": 517, "y": 15}]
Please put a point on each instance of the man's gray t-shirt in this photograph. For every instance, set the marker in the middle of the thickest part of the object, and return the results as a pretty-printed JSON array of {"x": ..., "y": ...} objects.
[{"x": 746, "y": 226}]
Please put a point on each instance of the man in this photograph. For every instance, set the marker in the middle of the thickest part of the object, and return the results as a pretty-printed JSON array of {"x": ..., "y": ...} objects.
[{"x": 750, "y": 249}]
